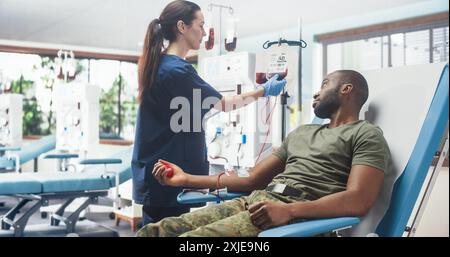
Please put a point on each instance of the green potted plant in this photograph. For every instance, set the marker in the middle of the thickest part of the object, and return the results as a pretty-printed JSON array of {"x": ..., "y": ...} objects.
[{"x": 32, "y": 114}]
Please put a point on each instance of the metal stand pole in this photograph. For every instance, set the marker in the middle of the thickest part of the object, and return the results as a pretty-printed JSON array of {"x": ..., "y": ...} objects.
[{"x": 221, "y": 7}]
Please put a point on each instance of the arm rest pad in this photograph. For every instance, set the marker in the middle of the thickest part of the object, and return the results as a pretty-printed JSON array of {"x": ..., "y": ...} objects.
[
  {"x": 61, "y": 156},
  {"x": 100, "y": 161},
  {"x": 9, "y": 148},
  {"x": 310, "y": 228},
  {"x": 198, "y": 197}
]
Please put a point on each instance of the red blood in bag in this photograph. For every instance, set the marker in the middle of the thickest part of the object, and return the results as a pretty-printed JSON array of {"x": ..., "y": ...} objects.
[
  {"x": 230, "y": 46},
  {"x": 60, "y": 74},
  {"x": 210, "y": 43},
  {"x": 262, "y": 77},
  {"x": 281, "y": 75}
]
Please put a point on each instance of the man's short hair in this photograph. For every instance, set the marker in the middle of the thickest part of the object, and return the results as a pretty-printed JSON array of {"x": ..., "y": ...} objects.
[{"x": 359, "y": 84}]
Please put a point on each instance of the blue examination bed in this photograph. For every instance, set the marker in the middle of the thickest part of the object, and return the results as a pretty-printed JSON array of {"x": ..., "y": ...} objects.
[{"x": 38, "y": 189}]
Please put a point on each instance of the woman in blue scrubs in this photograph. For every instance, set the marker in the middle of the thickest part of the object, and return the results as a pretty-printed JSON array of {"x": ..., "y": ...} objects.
[{"x": 164, "y": 77}]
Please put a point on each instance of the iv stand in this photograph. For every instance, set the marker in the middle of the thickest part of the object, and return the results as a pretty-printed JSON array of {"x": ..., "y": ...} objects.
[
  {"x": 221, "y": 7},
  {"x": 64, "y": 57},
  {"x": 300, "y": 73},
  {"x": 284, "y": 96}
]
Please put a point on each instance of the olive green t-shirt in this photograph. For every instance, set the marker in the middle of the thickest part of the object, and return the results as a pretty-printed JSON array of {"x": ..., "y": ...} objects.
[{"x": 318, "y": 159}]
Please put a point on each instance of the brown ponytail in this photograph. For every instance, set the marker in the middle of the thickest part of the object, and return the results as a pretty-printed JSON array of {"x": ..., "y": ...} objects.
[
  {"x": 159, "y": 29},
  {"x": 151, "y": 54}
]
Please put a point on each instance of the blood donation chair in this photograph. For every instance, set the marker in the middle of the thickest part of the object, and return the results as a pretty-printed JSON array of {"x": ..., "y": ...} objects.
[
  {"x": 38, "y": 189},
  {"x": 411, "y": 105}
]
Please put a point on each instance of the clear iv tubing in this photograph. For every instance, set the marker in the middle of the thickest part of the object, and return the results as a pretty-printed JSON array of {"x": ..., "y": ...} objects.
[
  {"x": 268, "y": 129},
  {"x": 239, "y": 149},
  {"x": 209, "y": 117},
  {"x": 219, "y": 157},
  {"x": 270, "y": 112}
]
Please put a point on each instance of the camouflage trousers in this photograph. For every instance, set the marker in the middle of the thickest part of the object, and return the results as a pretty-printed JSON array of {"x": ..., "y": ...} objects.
[{"x": 228, "y": 219}]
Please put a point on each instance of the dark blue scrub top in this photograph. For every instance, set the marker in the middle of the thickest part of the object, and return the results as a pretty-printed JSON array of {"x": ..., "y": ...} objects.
[{"x": 156, "y": 140}]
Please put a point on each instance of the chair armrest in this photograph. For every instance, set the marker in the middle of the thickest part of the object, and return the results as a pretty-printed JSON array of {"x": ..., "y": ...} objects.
[
  {"x": 198, "y": 197},
  {"x": 61, "y": 156},
  {"x": 100, "y": 161},
  {"x": 310, "y": 228},
  {"x": 6, "y": 162},
  {"x": 9, "y": 148}
]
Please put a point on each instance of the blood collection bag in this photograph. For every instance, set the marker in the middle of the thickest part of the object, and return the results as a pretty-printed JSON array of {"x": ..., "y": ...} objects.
[
  {"x": 263, "y": 77},
  {"x": 210, "y": 37},
  {"x": 278, "y": 64},
  {"x": 209, "y": 44},
  {"x": 271, "y": 63},
  {"x": 231, "y": 35},
  {"x": 276, "y": 60}
]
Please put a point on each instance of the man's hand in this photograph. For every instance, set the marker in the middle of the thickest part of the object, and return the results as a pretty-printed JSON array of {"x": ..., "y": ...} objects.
[
  {"x": 269, "y": 214},
  {"x": 167, "y": 173}
]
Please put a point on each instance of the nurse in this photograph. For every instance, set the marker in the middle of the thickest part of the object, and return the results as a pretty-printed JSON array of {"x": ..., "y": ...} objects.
[{"x": 165, "y": 76}]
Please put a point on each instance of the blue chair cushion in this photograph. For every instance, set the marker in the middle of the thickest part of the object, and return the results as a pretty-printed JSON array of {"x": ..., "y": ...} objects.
[
  {"x": 7, "y": 163},
  {"x": 34, "y": 149},
  {"x": 55, "y": 182},
  {"x": 9, "y": 148},
  {"x": 122, "y": 168},
  {"x": 100, "y": 161},
  {"x": 61, "y": 156},
  {"x": 13, "y": 183},
  {"x": 92, "y": 178}
]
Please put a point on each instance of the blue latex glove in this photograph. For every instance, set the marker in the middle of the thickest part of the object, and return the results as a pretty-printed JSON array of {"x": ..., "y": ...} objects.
[{"x": 273, "y": 86}]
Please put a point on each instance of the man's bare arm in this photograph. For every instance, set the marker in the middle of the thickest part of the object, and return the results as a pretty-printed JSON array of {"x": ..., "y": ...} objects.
[
  {"x": 260, "y": 176},
  {"x": 363, "y": 187},
  {"x": 362, "y": 190}
]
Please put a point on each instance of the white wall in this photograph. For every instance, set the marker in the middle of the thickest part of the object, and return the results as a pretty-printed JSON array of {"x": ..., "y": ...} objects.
[
  {"x": 312, "y": 58},
  {"x": 435, "y": 219}
]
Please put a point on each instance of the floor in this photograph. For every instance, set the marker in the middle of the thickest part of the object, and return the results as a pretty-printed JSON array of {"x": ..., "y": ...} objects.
[
  {"x": 434, "y": 222},
  {"x": 46, "y": 165},
  {"x": 103, "y": 219}
]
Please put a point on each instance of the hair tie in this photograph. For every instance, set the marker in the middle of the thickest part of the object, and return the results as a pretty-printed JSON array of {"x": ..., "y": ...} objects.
[{"x": 158, "y": 24}]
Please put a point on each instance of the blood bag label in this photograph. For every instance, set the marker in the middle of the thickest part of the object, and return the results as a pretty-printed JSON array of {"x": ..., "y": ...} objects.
[{"x": 277, "y": 63}]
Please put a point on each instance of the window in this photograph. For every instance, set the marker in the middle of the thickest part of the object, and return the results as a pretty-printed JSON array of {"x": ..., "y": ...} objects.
[
  {"x": 118, "y": 105},
  {"x": 417, "y": 47},
  {"x": 359, "y": 54},
  {"x": 410, "y": 42},
  {"x": 24, "y": 74},
  {"x": 397, "y": 50},
  {"x": 33, "y": 76},
  {"x": 440, "y": 44}
]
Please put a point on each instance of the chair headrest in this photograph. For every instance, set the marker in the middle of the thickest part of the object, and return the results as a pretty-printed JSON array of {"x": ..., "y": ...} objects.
[{"x": 399, "y": 100}]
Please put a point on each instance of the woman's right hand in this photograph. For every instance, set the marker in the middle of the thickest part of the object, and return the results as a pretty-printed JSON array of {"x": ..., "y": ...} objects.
[
  {"x": 167, "y": 173},
  {"x": 273, "y": 87}
]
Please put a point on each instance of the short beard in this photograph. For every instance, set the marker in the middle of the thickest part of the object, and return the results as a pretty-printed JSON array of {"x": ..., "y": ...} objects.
[{"x": 327, "y": 107}]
